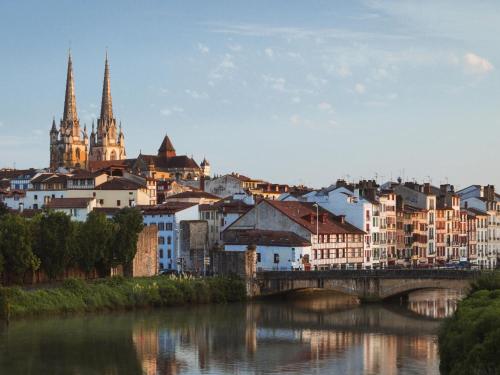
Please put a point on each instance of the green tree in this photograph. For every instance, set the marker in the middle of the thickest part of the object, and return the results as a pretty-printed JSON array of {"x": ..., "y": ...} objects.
[
  {"x": 129, "y": 224},
  {"x": 4, "y": 210},
  {"x": 15, "y": 246},
  {"x": 54, "y": 242},
  {"x": 95, "y": 242}
]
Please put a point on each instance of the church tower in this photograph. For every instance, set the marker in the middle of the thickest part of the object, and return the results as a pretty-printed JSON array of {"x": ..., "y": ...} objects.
[
  {"x": 68, "y": 145},
  {"x": 108, "y": 142}
]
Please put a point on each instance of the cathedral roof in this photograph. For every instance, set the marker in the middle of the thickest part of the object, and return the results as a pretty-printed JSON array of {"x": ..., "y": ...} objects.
[
  {"x": 174, "y": 162},
  {"x": 106, "y": 103},
  {"x": 166, "y": 146},
  {"x": 69, "y": 113}
]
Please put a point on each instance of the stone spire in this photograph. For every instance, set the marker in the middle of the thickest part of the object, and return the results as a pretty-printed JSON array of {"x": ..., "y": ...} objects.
[
  {"x": 106, "y": 103},
  {"x": 69, "y": 100}
]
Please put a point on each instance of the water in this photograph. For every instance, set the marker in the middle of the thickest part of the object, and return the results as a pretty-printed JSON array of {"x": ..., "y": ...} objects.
[{"x": 307, "y": 334}]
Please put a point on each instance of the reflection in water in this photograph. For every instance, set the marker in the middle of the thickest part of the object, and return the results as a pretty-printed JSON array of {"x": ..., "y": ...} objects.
[
  {"x": 434, "y": 303},
  {"x": 308, "y": 335}
]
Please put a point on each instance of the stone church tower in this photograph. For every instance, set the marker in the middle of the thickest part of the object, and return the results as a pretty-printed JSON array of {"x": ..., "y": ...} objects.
[
  {"x": 68, "y": 145},
  {"x": 106, "y": 143}
]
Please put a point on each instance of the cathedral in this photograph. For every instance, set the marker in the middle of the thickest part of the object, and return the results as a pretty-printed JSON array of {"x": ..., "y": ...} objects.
[{"x": 69, "y": 146}]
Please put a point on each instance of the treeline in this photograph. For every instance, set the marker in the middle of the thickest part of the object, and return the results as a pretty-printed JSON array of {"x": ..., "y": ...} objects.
[
  {"x": 469, "y": 341},
  {"x": 52, "y": 243}
]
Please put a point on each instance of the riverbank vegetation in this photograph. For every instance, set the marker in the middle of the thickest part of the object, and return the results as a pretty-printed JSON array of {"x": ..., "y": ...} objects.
[
  {"x": 52, "y": 243},
  {"x": 118, "y": 293},
  {"x": 469, "y": 341}
]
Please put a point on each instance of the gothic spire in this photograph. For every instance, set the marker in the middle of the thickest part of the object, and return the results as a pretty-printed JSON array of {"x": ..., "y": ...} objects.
[
  {"x": 106, "y": 104},
  {"x": 69, "y": 100}
]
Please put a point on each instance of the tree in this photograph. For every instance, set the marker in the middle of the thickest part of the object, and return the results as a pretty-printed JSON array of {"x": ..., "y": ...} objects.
[
  {"x": 95, "y": 242},
  {"x": 4, "y": 210},
  {"x": 54, "y": 242},
  {"x": 15, "y": 246},
  {"x": 129, "y": 224}
]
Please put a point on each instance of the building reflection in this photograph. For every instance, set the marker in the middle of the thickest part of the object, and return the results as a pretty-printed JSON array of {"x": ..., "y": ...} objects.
[{"x": 323, "y": 335}]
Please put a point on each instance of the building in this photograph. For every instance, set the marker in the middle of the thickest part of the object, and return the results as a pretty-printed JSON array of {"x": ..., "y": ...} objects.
[
  {"x": 167, "y": 164},
  {"x": 68, "y": 145},
  {"x": 219, "y": 215},
  {"x": 108, "y": 143},
  {"x": 335, "y": 243},
  {"x": 76, "y": 208},
  {"x": 167, "y": 218},
  {"x": 276, "y": 250}
]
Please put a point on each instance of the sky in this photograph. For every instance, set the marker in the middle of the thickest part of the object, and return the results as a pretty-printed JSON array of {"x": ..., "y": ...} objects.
[{"x": 297, "y": 92}]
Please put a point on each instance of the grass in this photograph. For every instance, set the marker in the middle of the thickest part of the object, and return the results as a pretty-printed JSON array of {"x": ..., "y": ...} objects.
[{"x": 118, "y": 293}]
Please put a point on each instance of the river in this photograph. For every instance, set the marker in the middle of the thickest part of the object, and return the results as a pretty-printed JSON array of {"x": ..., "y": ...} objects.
[{"x": 307, "y": 333}]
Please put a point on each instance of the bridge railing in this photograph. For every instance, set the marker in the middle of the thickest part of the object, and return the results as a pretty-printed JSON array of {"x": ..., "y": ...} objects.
[{"x": 384, "y": 273}]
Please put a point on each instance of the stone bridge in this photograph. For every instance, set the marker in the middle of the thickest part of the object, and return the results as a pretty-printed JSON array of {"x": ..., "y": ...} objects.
[{"x": 368, "y": 285}]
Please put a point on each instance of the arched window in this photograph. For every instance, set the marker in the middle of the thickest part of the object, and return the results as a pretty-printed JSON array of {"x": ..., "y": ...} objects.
[
  {"x": 112, "y": 156},
  {"x": 77, "y": 154}
]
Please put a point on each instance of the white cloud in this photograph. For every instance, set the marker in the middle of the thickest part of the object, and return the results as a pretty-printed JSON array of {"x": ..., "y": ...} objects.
[
  {"x": 360, "y": 88},
  {"x": 203, "y": 48},
  {"x": 196, "y": 94},
  {"x": 277, "y": 83},
  {"x": 269, "y": 52},
  {"x": 170, "y": 111},
  {"x": 477, "y": 64},
  {"x": 296, "y": 99},
  {"x": 223, "y": 69},
  {"x": 316, "y": 81},
  {"x": 235, "y": 47},
  {"x": 324, "y": 106},
  {"x": 295, "y": 119}
]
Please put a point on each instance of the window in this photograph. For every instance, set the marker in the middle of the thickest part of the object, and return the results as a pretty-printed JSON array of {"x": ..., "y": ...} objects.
[
  {"x": 161, "y": 240},
  {"x": 169, "y": 240},
  {"x": 118, "y": 203},
  {"x": 35, "y": 197},
  {"x": 258, "y": 258},
  {"x": 168, "y": 226},
  {"x": 101, "y": 202},
  {"x": 161, "y": 226},
  {"x": 169, "y": 253},
  {"x": 161, "y": 266},
  {"x": 161, "y": 253},
  {"x": 276, "y": 258}
]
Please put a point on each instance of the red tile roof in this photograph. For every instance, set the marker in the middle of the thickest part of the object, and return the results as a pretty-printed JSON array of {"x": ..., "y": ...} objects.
[
  {"x": 167, "y": 208},
  {"x": 120, "y": 183},
  {"x": 304, "y": 214},
  {"x": 264, "y": 238},
  {"x": 193, "y": 194},
  {"x": 68, "y": 203}
]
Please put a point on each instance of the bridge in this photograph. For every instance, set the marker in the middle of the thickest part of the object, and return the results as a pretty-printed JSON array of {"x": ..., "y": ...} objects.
[{"x": 367, "y": 285}]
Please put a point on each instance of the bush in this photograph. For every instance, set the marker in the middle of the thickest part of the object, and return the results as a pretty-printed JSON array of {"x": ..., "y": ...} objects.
[
  {"x": 469, "y": 341},
  {"x": 75, "y": 295}
]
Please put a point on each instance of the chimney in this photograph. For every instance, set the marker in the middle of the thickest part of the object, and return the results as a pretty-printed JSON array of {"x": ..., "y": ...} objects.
[
  {"x": 342, "y": 219},
  {"x": 427, "y": 188},
  {"x": 21, "y": 207},
  {"x": 466, "y": 204}
]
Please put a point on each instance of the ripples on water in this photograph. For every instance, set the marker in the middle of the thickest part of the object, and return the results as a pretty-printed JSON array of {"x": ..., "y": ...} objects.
[{"x": 308, "y": 333}]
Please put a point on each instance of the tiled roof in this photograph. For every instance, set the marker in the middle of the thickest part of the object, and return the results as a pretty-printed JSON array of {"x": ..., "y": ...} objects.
[
  {"x": 120, "y": 183},
  {"x": 304, "y": 214},
  {"x": 17, "y": 173},
  {"x": 193, "y": 194},
  {"x": 68, "y": 203},
  {"x": 227, "y": 205},
  {"x": 476, "y": 211},
  {"x": 166, "y": 145},
  {"x": 263, "y": 238},
  {"x": 167, "y": 208},
  {"x": 104, "y": 164}
]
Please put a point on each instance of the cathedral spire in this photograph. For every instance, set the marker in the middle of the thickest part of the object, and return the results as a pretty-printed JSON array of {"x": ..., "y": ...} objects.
[
  {"x": 69, "y": 100},
  {"x": 106, "y": 104}
]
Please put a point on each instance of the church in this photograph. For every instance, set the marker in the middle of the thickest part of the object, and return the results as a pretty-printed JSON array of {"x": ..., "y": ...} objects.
[{"x": 70, "y": 147}]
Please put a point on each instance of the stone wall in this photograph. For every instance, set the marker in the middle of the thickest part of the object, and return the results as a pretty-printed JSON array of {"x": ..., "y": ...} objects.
[
  {"x": 146, "y": 259},
  {"x": 194, "y": 245}
]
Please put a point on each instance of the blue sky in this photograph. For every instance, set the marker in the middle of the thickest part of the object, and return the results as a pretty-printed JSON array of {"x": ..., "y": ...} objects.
[{"x": 288, "y": 91}]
